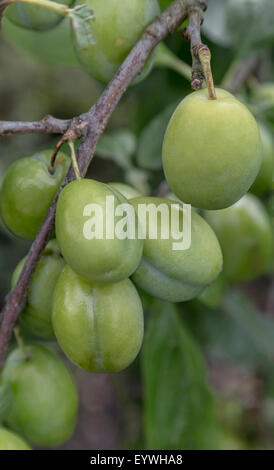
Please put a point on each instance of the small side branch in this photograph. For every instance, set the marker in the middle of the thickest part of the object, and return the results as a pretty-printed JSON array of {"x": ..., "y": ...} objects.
[
  {"x": 48, "y": 125},
  {"x": 193, "y": 34}
]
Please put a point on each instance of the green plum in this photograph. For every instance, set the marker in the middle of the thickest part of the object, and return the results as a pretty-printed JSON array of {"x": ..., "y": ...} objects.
[
  {"x": 52, "y": 47},
  {"x": 172, "y": 196},
  {"x": 263, "y": 182},
  {"x": 270, "y": 208},
  {"x": 263, "y": 97},
  {"x": 35, "y": 17},
  {"x": 44, "y": 405},
  {"x": 176, "y": 275},
  {"x": 211, "y": 150},
  {"x": 27, "y": 191},
  {"x": 213, "y": 294},
  {"x": 99, "y": 328},
  {"x": 127, "y": 191},
  {"x": 84, "y": 234},
  {"x": 244, "y": 233},
  {"x": 269, "y": 204},
  {"x": 10, "y": 441},
  {"x": 36, "y": 316},
  {"x": 117, "y": 27}
]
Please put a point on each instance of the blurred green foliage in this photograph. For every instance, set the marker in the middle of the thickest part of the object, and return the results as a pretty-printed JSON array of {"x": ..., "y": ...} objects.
[
  {"x": 207, "y": 371},
  {"x": 178, "y": 405}
]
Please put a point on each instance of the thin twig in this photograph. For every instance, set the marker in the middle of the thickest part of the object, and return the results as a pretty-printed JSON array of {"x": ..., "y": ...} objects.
[
  {"x": 92, "y": 126},
  {"x": 193, "y": 34},
  {"x": 48, "y": 125},
  {"x": 20, "y": 342}
]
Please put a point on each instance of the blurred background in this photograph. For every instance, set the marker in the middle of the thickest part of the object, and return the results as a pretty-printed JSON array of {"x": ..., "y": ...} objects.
[{"x": 212, "y": 377}]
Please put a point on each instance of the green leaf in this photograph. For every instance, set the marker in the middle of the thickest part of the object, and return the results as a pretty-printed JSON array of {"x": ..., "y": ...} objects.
[
  {"x": 236, "y": 333},
  {"x": 119, "y": 146},
  {"x": 165, "y": 3},
  {"x": 81, "y": 17},
  {"x": 6, "y": 395},
  {"x": 149, "y": 154},
  {"x": 179, "y": 411},
  {"x": 258, "y": 328}
]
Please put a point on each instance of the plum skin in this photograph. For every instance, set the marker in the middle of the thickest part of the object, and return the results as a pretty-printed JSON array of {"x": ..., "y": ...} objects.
[
  {"x": 36, "y": 315},
  {"x": 27, "y": 191},
  {"x": 95, "y": 260},
  {"x": 245, "y": 236},
  {"x": 117, "y": 27},
  {"x": 99, "y": 328},
  {"x": 34, "y": 17},
  {"x": 11, "y": 441},
  {"x": 263, "y": 181},
  {"x": 178, "y": 276},
  {"x": 211, "y": 150},
  {"x": 127, "y": 191},
  {"x": 45, "y": 402}
]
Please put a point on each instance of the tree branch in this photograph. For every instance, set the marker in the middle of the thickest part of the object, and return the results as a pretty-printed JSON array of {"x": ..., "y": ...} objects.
[
  {"x": 90, "y": 126},
  {"x": 48, "y": 125}
]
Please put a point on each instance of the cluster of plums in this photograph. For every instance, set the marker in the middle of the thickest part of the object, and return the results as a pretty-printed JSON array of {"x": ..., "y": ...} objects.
[
  {"x": 116, "y": 29},
  {"x": 84, "y": 290}
]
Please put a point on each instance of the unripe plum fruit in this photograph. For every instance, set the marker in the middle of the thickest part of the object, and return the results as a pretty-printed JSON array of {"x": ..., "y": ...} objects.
[
  {"x": 44, "y": 405},
  {"x": 27, "y": 191},
  {"x": 102, "y": 259},
  {"x": 263, "y": 95},
  {"x": 35, "y": 17},
  {"x": 127, "y": 191},
  {"x": 36, "y": 315},
  {"x": 213, "y": 294},
  {"x": 99, "y": 328},
  {"x": 269, "y": 204},
  {"x": 263, "y": 182},
  {"x": 117, "y": 27},
  {"x": 10, "y": 441},
  {"x": 211, "y": 150},
  {"x": 177, "y": 275},
  {"x": 244, "y": 233}
]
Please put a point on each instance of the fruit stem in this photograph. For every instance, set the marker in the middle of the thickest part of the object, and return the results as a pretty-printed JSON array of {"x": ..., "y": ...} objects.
[
  {"x": 55, "y": 153},
  {"x": 205, "y": 58},
  {"x": 54, "y": 6},
  {"x": 20, "y": 342},
  {"x": 74, "y": 159}
]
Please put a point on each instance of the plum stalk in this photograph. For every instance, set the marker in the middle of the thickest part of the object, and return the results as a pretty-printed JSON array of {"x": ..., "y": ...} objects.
[
  {"x": 48, "y": 4},
  {"x": 201, "y": 56},
  {"x": 74, "y": 160},
  {"x": 20, "y": 342}
]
